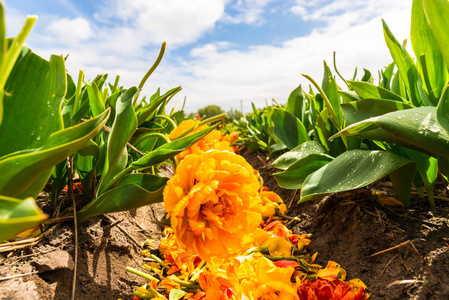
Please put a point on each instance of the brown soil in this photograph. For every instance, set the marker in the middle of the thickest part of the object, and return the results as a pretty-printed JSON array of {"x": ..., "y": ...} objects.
[
  {"x": 104, "y": 253},
  {"x": 350, "y": 227},
  {"x": 347, "y": 228}
]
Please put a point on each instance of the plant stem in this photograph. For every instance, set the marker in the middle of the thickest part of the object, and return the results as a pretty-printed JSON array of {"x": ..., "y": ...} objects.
[
  {"x": 141, "y": 274},
  {"x": 213, "y": 119},
  {"x": 183, "y": 283},
  {"x": 75, "y": 221},
  {"x": 196, "y": 273},
  {"x": 170, "y": 120},
  {"x": 159, "y": 261},
  {"x": 154, "y": 66},
  {"x": 114, "y": 88},
  {"x": 336, "y": 70},
  {"x": 78, "y": 91}
]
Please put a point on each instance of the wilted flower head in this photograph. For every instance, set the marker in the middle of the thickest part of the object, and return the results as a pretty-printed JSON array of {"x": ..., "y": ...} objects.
[
  {"x": 213, "y": 203},
  {"x": 324, "y": 289},
  {"x": 271, "y": 203}
]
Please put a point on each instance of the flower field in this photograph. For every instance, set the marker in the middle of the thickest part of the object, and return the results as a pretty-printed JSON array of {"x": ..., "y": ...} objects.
[{"x": 339, "y": 193}]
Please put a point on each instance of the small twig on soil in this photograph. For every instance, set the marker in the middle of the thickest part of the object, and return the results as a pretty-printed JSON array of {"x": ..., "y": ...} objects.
[
  {"x": 75, "y": 221},
  {"x": 291, "y": 200},
  {"x": 387, "y": 265},
  {"x": 395, "y": 247},
  {"x": 17, "y": 276},
  {"x": 263, "y": 162},
  {"x": 123, "y": 230},
  {"x": 57, "y": 220},
  {"x": 402, "y": 282},
  {"x": 25, "y": 243},
  {"x": 112, "y": 225}
]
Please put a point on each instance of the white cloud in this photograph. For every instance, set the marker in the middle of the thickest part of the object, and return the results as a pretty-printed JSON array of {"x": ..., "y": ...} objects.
[
  {"x": 220, "y": 73},
  {"x": 248, "y": 12},
  {"x": 70, "y": 31},
  {"x": 265, "y": 72},
  {"x": 153, "y": 21}
]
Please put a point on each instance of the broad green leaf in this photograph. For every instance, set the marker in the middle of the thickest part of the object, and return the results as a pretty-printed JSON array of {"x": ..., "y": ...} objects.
[
  {"x": 443, "y": 110},
  {"x": 437, "y": 12},
  {"x": 349, "y": 96},
  {"x": 86, "y": 160},
  {"x": 430, "y": 61},
  {"x": 294, "y": 176},
  {"x": 134, "y": 191},
  {"x": 295, "y": 103},
  {"x": 19, "y": 173},
  {"x": 3, "y": 44},
  {"x": 387, "y": 76},
  {"x": 324, "y": 130},
  {"x": 428, "y": 170},
  {"x": 405, "y": 64},
  {"x": 367, "y": 77},
  {"x": 367, "y": 90},
  {"x": 363, "y": 109},
  {"x": 330, "y": 88},
  {"x": 122, "y": 130},
  {"x": 351, "y": 170},
  {"x": 95, "y": 99},
  {"x": 9, "y": 54},
  {"x": 398, "y": 86},
  {"x": 287, "y": 159},
  {"x": 145, "y": 113},
  {"x": 169, "y": 150},
  {"x": 38, "y": 86},
  {"x": 443, "y": 167},
  {"x": 288, "y": 129},
  {"x": 59, "y": 179},
  {"x": 17, "y": 215},
  {"x": 417, "y": 127},
  {"x": 275, "y": 148}
]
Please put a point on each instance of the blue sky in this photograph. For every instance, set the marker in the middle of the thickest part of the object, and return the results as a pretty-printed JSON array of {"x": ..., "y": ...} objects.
[{"x": 219, "y": 51}]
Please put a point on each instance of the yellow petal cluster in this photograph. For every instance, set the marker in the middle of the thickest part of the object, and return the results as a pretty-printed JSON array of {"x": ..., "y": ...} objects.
[
  {"x": 213, "y": 204},
  {"x": 213, "y": 140}
]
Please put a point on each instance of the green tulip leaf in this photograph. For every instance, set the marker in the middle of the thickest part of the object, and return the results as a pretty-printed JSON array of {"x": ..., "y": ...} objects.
[
  {"x": 437, "y": 12},
  {"x": 17, "y": 215},
  {"x": 443, "y": 110},
  {"x": 134, "y": 191},
  {"x": 294, "y": 176},
  {"x": 352, "y": 170},
  {"x": 431, "y": 64},
  {"x": 368, "y": 90},
  {"x": 287, "y": 159},
  {"x": 416, "y": 128},
  {"x": 25, "y": 173},
  {"x": 406, "y": 67},
  {"x": 288, "y": 129},
  {"x": 169, "y": 150},
  {"x": 38, "y": 86},
  {"x": 123, "y": 128}
]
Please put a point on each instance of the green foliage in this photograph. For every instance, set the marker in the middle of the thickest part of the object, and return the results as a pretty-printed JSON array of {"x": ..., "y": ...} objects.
[
  {"x": 210, "y": 111},
  {"x": 18, "y": 215},
  {"x": 354, "y": 169},
  {"x": 100, "y": 124},
  {"x": 404, "y": 120},
  {"x": 232, "y": 115}
]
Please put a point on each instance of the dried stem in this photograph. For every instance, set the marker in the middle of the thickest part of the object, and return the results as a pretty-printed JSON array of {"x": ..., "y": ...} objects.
[{"x": 75, "y": 221}]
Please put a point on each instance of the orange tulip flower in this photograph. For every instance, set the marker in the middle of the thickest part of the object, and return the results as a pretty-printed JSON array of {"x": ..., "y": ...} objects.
[{"x": 213, "y": 204}]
